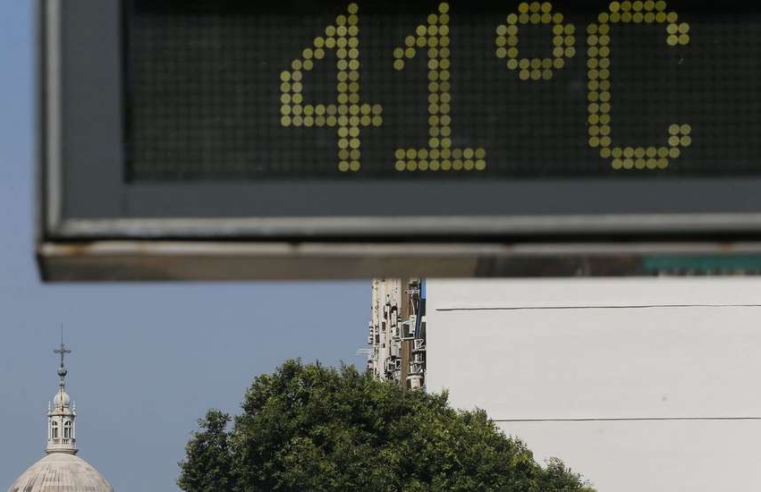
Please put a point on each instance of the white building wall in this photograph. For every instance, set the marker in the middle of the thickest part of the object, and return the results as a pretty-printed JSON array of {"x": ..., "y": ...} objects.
[{"x": 641, "y": 385}]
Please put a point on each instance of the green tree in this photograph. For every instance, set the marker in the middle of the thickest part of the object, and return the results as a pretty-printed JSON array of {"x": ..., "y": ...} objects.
[
  {"x": 210, "y": 455},
  {"x": 312, "y": 428}
]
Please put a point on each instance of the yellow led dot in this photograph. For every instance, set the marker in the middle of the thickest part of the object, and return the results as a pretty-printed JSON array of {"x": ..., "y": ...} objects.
[
  {"x": 674, "y": 141},
  {"x": 343, "y": 166},
  {"x": 457, "y": 165},
  {"x": 480, "y": 165},
  {"x": 617, "y": 163},
  {"x": 652, "y": 163},
  {"x": 628, "y": 163},
  {"x": 674, "y": 152},
  {"x": 684, "y": 39},
  {"x": 401, "y": 166},
  {"x": 663, "y": 163},
  {"x": 444, "y": 7},
  {"x": 686, "y": 141},
  {"x": 399, "y": 65},
  {"x": 412, "y": 166}
]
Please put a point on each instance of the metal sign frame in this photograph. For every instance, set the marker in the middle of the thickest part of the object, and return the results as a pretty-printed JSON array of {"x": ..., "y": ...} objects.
[{"x": 94, "y": 226}]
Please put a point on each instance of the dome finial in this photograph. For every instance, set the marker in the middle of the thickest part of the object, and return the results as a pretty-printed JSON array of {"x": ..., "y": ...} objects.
[
  {"x": 62, "y": 351},
  {"x": 61, "y": 418}
]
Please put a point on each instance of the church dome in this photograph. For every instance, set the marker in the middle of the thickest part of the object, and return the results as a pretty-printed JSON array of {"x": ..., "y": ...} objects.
[{"x": 60, "y": 471}]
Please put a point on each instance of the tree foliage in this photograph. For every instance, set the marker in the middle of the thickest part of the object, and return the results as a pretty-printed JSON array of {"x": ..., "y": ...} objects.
[{"x": 312, "y": 428}]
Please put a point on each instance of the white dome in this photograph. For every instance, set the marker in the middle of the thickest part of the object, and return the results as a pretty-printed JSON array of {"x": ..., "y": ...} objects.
[
  {"x": 59, "y": 471},
  {"x": 61, "y": 399}
]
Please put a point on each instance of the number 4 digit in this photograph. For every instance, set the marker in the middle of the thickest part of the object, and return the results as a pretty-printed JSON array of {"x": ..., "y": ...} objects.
[{"x": 348, "y": 115}]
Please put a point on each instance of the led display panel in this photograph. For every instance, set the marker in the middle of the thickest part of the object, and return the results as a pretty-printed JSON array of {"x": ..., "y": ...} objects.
[{"x": 428, "y": 90}]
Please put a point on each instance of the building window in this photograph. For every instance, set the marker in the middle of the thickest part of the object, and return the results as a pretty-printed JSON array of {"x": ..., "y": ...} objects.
[
  {"x": 55, "y": 430},
  {"x": 67, "y": 430}
]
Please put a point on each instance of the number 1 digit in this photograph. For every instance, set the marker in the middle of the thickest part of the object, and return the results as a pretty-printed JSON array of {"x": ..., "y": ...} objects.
[{"x": 439, "y": 155}]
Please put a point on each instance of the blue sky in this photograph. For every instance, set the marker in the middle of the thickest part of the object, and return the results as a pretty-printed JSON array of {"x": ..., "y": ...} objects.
[{"x": 148, "y": 359}]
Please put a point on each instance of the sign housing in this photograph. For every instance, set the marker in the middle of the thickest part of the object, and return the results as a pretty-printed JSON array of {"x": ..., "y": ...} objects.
[{"x": 231, "y": 140}]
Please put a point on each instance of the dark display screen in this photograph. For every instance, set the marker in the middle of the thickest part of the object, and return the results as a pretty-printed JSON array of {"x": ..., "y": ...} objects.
[{"x": 238, "y": 89}]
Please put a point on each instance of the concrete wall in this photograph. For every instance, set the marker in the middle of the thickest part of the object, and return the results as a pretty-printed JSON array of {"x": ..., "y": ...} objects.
[{"x": 641, "y": 385}]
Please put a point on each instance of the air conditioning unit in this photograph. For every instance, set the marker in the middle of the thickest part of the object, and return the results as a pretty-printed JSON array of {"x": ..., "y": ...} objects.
[
  {"x": 408, "y": 328},
  {"x": 415, "y": 382},
  {"x": 419, "y": 345}
]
